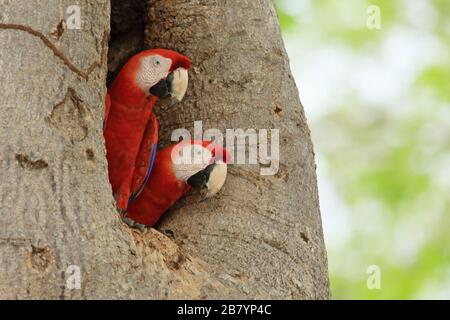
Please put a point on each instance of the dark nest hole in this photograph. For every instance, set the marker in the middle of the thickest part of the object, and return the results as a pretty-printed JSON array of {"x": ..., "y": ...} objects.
[{"x": 127, "y": 33}]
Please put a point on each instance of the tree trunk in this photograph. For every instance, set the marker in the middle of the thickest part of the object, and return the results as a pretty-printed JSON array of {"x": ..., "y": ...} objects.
[
  {"x": 260, "y": 237},
  {"x": 262, "y": 234}
]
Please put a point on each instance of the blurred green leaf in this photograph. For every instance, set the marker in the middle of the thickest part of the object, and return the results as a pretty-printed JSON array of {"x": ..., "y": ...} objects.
[
  {"x": 436, "y": 79},
  {"x": 385, "y": 166}
]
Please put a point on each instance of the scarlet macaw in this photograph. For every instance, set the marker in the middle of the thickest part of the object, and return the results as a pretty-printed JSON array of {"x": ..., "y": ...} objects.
[
  {"x": 130, "y": 127},
  {"x": 176, "y": 169}
]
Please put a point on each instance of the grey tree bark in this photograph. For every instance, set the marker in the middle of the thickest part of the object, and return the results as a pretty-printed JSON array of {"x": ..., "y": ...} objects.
[{"x": 261, "y": 237}]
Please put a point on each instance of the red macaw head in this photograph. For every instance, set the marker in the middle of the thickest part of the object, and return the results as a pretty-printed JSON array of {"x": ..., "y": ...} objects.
[
  {"x": 177, "y": 168},
  {"x": 155, "y": 72},
  {"x": 201, "y": 164}
]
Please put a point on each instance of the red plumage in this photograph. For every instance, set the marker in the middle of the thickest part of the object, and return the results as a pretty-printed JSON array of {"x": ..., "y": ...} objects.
[
  {"x": 128, "y": 111},
  {"x": 163, "y": 188}
]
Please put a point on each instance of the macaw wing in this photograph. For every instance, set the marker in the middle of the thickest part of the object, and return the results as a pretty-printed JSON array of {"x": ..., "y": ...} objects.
[
  {"x": 145, "y": 158},
  {"x": 107, "y": 108}
]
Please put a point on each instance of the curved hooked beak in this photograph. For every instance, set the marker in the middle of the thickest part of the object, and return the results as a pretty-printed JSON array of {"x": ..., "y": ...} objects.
[
  {"x": 216, "y": 179},
  {"x": 175, "y": 85},
  {"x": 212, "y": 178}
]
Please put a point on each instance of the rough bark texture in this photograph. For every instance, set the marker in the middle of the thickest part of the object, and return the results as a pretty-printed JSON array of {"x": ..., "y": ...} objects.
[
  {"x": 262, "y": 235},
  {"x": 260, "y": 238},
  {"x": 56, "y": 204}
]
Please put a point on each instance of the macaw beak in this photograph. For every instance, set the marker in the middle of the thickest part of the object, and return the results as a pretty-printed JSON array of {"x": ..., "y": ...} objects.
[
  {"x": 180, "y": 83},
  {"x": 216, "y": 179},
  {"x": 212, "y": 178},
  {"x": 175, "y": 85}
]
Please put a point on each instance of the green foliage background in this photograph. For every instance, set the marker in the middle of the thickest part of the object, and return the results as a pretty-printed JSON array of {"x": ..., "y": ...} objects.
[{"x": 387, "y": 159}]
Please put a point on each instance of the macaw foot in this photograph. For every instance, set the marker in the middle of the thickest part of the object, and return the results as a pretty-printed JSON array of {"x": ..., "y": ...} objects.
[
  {"x": 122, "y": 212},
  {"x": 133, "y": 224},
  {"x": 121, "y": 201}
]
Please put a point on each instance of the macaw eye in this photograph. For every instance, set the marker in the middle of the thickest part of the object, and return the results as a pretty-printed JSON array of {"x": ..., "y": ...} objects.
[{"x": 157, "y": 62}]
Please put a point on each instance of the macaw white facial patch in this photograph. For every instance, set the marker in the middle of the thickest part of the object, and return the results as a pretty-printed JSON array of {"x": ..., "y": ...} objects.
[
  {"x": 153, "y": 69},
  {"x": 189, "y": 159}
]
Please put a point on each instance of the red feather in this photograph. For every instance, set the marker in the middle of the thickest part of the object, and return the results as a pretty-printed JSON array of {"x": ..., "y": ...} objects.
[
  {"x": 145, "y": 157},
  {"x": 163, "y": 189},
  {"x": 127, "y": 113}
]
